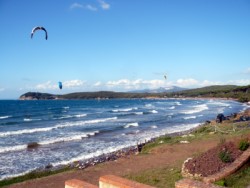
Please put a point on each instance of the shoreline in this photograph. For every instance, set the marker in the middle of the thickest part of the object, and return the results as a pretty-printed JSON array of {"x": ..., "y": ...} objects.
[{"x": 113, "y": 156}]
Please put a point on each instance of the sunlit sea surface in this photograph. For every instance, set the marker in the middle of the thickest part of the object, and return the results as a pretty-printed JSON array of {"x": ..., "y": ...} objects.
[{"x": 72, "y": 130}]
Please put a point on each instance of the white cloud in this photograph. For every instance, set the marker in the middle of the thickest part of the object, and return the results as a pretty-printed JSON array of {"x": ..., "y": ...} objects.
[
  {"x": 76, "y": 5},
  {"x": 81, "y": 6},
  {"x": 53, "y": 86},
  {"x": 90, "y": 7},
  {"x": 135, "y": 84},
  {"x": 73, "y": 83},
  {"x": 186, "y": 82},
  {"x": 45, "y": 86},
  {"x": 247, "y": 71},
  {"x": 97, "y": 84},
  {"x": 104, "y": 5},
  {"x": 241, "y": 82}
]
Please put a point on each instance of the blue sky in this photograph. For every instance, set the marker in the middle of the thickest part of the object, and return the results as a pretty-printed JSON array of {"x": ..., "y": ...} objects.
[{"x": 122, "y": 45}]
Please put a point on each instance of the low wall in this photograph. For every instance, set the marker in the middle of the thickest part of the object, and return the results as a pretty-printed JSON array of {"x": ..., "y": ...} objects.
[
  {"x": 108, "y": 181},
  {"x": 74, "y": 183},
  {"x": 111, "y": 181}
]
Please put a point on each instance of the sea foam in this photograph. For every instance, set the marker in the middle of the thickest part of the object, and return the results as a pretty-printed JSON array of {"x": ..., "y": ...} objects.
[
  {"x": 131, "y": 125},
  {"x": 196, "y": 109}
]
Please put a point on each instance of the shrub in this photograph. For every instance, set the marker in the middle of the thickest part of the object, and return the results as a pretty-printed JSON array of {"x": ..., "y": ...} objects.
[
  {"x": 225, "y": 156},
  {"x": 243, "y": 145},
  {"x": 220, "y": 183}
]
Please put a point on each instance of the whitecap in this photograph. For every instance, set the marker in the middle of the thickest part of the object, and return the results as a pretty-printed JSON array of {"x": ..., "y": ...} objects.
[
  {"x": 80, "y": 115},
  {"x": 196, "y": 109},
  {"x": 29, "y": 119},
  {"x": 12, "y": 148},
  {"x": 5, "y": 117},
  {"x": 154, "y": 127},
  {"x": 90, "y": 155},
  {"x": 154, "y": 111},
  {"x": 68, "y": 138},
  {"x": 178, "y": 103},
  {"x": 148, "y": 105},
  {"x": 124, "y": 109},
  {"x": 131, "y": 125},
  {"x": 26, "y": 131},
  {"x": 190, "y": 117},
  {"x": 138, "y": 113},
  {"x": 172, "y": 107}
]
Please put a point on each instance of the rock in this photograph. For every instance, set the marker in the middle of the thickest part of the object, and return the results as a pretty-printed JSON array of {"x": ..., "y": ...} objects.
[
  {"x": 48, "y": 166},
  {"x": 184, "y": 142},
  {"x": 33, "y": 145},
  {"x": 220, "y": 118}
]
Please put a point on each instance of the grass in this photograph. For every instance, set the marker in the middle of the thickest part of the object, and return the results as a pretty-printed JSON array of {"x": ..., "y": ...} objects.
[
  {"x": 32, "y": 175},
  {"x": 166, "y": 177},
  {"x": 160, "y": 177},
  {"x": 240, "y": 179}
]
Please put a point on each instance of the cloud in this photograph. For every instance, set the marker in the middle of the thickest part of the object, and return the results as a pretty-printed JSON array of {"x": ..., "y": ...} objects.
[
  {"x": 186, "y": 82},
  {"x": 76, "y": 5},
  {"x": 104, "y": 5},
  {"x": 247, "y": 71},
  {"x": 90, "y": 7},
  {"x": 45, "y": 86},
  {"x": 241, "y": 82},
  {"x": 81, "y": 6},
  {"x": 126, "y": 84},
  {"x": 73, "y": 83},
  {"x": 98, "y": 84},
  {"x": 54, "y": 86}
]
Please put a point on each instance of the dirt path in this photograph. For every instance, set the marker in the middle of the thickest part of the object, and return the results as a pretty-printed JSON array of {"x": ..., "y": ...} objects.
[{"x": 160, "y": 157}]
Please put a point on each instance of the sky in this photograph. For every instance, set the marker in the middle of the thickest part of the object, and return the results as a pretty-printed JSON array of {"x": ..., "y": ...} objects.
[{"x": 122, "y": 45}]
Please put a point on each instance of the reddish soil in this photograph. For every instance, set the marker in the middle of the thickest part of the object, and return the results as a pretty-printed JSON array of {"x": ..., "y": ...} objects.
[
  {"x": 160, "y": 157},
  {"x": 210, "y": 163}
]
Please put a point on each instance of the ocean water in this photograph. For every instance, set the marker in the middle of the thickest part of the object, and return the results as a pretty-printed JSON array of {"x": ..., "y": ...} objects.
[{"x": 72, "y": 130}]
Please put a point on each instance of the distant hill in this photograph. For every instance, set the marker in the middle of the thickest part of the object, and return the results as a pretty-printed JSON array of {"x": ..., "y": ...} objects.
[
  {"x": 242, "y": 93},
  {"x": 161, "y": 90}
]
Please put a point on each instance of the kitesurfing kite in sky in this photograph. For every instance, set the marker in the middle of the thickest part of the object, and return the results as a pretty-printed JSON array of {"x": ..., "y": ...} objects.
[
  {"x": 39, "y": 28},
  {"x": 60, "y": 85}
]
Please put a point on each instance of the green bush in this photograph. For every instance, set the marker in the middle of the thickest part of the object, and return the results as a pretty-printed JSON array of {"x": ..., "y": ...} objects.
[
  {"x": 225, "y": 156},
  {"x": 220, "y": 183},
  {"x": 243, "y": 145}
]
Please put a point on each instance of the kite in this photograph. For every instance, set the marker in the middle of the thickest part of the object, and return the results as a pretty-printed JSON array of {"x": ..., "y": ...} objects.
[
  {"x": 60, "y": 85},
  {"x": 39, "y": 28}
]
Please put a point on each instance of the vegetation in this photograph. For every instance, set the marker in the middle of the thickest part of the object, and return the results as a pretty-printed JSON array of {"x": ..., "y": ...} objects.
[
  {"x": 239, "y": 179},
  {"x": 225, "y": 156},
  {"x": 32, "y": 175},
  {"x": 242, "y": 93},
  {"x": 163, "y": 177},
  {"x": 243, "y": 145}
]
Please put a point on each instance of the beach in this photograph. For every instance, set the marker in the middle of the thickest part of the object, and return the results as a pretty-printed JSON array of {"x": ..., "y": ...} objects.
[
  {"x": 128, "y": 153},
  {"x": 127, "y": 163}
]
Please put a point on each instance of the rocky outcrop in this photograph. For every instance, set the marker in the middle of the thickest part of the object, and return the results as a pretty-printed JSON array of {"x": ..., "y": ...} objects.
[{"x": 37, "y": 96}]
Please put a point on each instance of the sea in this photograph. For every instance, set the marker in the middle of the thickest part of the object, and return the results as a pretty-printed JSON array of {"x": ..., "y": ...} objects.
[{"x": 75, "y": 130}]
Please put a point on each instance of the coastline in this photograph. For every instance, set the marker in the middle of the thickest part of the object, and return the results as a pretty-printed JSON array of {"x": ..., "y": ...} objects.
[{"x": 123, "y": 153}]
